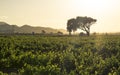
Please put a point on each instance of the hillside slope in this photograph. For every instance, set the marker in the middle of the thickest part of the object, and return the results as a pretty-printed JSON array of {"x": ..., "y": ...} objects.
[{"x": 7, "y": 28}]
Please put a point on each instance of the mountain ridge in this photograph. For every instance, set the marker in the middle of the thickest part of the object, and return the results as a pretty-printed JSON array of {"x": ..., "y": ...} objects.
[{"x": 7, "y": 28}]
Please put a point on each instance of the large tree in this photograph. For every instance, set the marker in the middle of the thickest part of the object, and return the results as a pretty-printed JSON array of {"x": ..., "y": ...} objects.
[
  {"x": 84, "y": 23},
  {"x": 71, "y": 25}
]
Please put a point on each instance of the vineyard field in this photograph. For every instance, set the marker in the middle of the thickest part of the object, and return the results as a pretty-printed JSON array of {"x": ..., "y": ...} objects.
[{"x": 55, "y": 55}]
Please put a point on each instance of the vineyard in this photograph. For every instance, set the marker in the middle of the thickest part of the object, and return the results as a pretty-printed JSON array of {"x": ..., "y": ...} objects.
[{"x": 65, "y": 55}]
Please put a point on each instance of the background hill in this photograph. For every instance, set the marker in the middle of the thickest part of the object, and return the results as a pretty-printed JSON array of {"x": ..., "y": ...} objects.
[{"x": 7, "y": 28}]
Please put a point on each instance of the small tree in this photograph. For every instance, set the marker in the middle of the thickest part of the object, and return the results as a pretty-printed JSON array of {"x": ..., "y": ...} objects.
[
  {"x": 43, "y": 31},
  {"x": 33, "y": 33},
  {"x": 60, "y": 33}
]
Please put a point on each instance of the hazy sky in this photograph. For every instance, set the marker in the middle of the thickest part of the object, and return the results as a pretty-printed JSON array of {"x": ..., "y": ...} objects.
[{"x": 55, "y": 13}]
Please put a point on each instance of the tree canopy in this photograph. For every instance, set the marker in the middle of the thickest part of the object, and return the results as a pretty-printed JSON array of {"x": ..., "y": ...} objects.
[
  {"x": 82, "y": 23},
  {"x": 71, "y": 25}
]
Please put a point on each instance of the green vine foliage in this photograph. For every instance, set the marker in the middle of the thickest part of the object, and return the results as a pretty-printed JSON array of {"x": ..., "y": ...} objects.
[{"x": 75, "y": 55}]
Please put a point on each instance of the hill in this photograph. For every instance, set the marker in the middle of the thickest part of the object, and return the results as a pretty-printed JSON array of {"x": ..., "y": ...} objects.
[{"x": 7, "y": 28}]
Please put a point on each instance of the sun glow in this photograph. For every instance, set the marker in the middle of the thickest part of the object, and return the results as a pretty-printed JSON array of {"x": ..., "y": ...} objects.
[
  {"x": 92, "y": 5},
  {"x": 96, "y": 4}
]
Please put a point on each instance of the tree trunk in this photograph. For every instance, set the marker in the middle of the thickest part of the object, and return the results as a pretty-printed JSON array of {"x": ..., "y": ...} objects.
[
  {"x": 69, "y": 33},
  {"x": 88, "y": 33}
]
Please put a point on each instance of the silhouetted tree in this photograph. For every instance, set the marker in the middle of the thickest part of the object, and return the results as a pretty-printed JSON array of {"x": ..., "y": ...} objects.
[
  {"x": 33, "y": 33},
  {"x": 43, "y": 31},
  {"x": 60, "y": 33},
  {"x": 94, "y": 33},
  {"x": 71, "y": 25},
  {"x": 84, "y": 23},
  {"x": 82, "y": 34}
]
